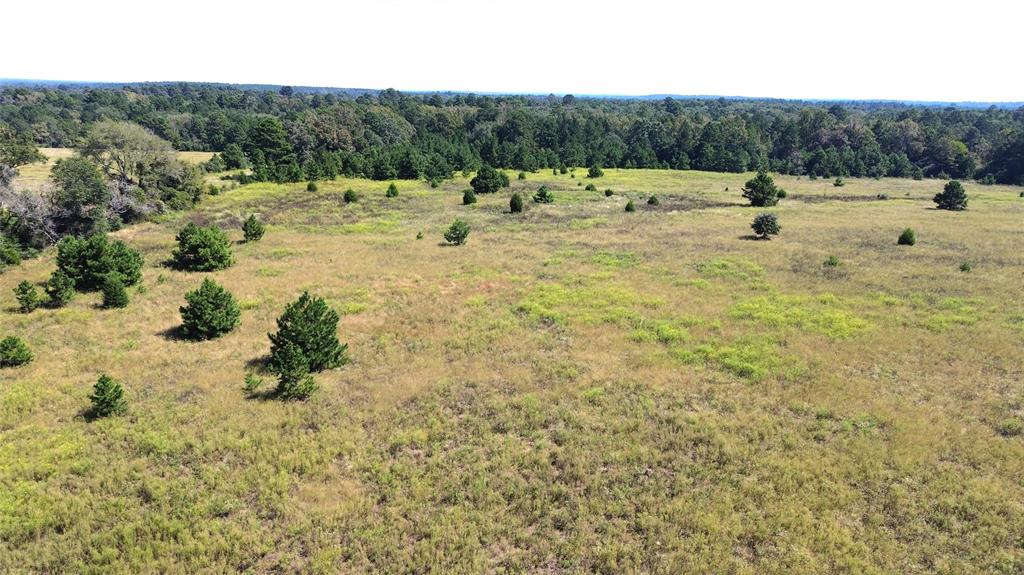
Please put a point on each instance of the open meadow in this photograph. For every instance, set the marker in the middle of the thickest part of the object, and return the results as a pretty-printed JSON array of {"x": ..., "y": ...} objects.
[{"x": 576, "y": 389}]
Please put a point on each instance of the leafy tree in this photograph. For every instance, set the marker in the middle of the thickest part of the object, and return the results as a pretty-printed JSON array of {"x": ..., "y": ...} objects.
[
  {"x": 27, "y": 296},
  {"x": 515, "y": 204},
  {"x": 80, "y": 197},
  {"x": 630, "y": 207},
  {"x": 350, "y": 196},
  {"x": 488, "y": 180},
  {"x": 761, "y": 191},
  {"x": 210, "y": 312},
  {"x": 765, "y": 225},
  {"x": 468, "y": 197},
  {"x": 457, "y": 233},
  {"x": 127, "y": 151},
  {"x": 202, "y": 249},
  {"x": 114, "y": 293},
  {"x": 234, "y": 157},
  {"x": 252, "y": 229},
  {"x": 60, "y": 288},
  {"x": 595, "y": 172},
  {"x": 17, "y": 149},
  {"x": 89, "y": 260},
  {"x": 907, "y": 238},
  {"x": 543, "y": 196},
  {"x": 953, "y": 197},
  {"x": 310, "y": 325},
  {"x": 14, "y": 352},
  {"x": 107, "y": 398}
]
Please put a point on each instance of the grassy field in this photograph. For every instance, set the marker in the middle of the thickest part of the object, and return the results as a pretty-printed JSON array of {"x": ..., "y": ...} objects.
[
  {"x": 36, "y": 174},
  {"x": 577, "y": 389}
]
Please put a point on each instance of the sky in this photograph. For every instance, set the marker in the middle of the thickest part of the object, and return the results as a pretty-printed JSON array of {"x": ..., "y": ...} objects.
[{"x": 868, "y": 49}]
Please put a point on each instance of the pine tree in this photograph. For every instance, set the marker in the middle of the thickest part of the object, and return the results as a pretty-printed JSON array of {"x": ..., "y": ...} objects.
[
  {"x": 107, "y": 398},
  {"x": 60, "y": 288},
  {"x": 114, "y": 293},
  {"x": 457, "y": 233},
  {"x": 312, "y": 326},
  {"x": 953, "y": 197},
  {"x": 765, "y": 225},
  {"x": 252, "y": 229},
  {"x": 211, "y": 312},
  {"x": 515, "y": 204},
  {"x": 468, "y": 197},
  {"x": 27, "y": 296},
  {"x": 762, "y": 191},
  {"x": 14, "y": 352},
  {"x": 202, "y": 249},
  {"x": 392, "y": 191},
  {"x": 293, "y": 378}
]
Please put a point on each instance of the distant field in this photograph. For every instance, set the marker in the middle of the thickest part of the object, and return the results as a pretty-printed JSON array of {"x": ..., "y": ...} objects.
[
  {"x": 34, "y": 174},
  {"x": 575, "y": 390}
]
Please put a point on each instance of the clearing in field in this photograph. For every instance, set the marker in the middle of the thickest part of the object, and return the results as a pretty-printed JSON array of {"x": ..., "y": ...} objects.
[{"x": 575, "y": 389}]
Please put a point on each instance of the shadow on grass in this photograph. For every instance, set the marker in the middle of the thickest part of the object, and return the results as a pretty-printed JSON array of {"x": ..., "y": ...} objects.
[
  {"x": 175, "y": 333},
  {"x": 752, "y": 238}
]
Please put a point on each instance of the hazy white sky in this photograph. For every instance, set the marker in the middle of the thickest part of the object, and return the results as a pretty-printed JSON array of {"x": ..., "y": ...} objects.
[{"x": 787, "y": 48}]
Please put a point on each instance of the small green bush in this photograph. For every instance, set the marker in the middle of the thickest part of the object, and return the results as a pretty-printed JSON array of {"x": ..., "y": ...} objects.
[
  {"x": 595, "y": 172},
  {"x": 27, "y": 296},
  {"x": 832, "y": 262},
  {"x": 515, "y": 203},
  {"x": 350, "y": 196},
  {"x": 468, "y": 197},
  {"x": 252, "y": 229},
  {"x": 392, "y": 191},
  {"x": 457, "y": 233},
  {"x": 202, "y": 249},
  {"x": 630, "y": 207},
  {"x": 653, "y": 201},
  {"x": 839, "y": 183},
  {"x": 543, "y": 196},
  {"x": 87, "y": 261},
  {"x": 953, "y": 197},
  {"x": 907, "y": 238},
  {"x": 253, "y": 383},
  {"x": 765, "y": 225},
  {"x": 60, "y": 288},
  {"x": 590, "y": 188},
  {"x": 210, "y": 312},
  {"x": 14, "y": 352},
  {"x": 10, "y": 255},
  {"x": 965, "y": 267},
  {"x": 1010, "y": 427},
  {"x": 107, "y": 398},
  {"x": 521, "y": 176},
  {"x": 311, "y": 186},
  {"x": 114, "y": 293},
  {"x": 488, "y": 180},
  {"x": 762, "y": 191},
  {"x": 309, "y": 324},
  {"x": 293, "y": 378},
  {"x": 608, "y": 193},
  {"x": 419, "y": 235}
]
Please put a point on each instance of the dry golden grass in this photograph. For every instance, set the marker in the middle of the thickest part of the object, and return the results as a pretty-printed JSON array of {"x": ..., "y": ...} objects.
[{"x": 576, "y": 389}]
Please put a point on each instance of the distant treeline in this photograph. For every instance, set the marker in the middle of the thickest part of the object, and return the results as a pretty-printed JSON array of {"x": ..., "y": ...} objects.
[{"x": 292, "y": 136}]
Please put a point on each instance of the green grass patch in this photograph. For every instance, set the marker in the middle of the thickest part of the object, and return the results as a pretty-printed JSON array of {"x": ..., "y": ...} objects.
[{"x": 819, "y": 315}]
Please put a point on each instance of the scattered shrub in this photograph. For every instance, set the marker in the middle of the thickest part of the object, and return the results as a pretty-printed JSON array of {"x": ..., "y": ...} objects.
[
  {"x": 761, "y": 191},
  {"x": 630, "y": 207},
  {"x": 392, "y": 191},
  {"x": 765, "y": 225},
  {"x": 882, "y": 196},
  {"x": 988, "y": 180},
  {"x": 114, "y": 293},
  {"x": 781, "y": 194},
  {"x": 202, "y": 249},
  {"x": 27, "y": 296},
  {"x": 515, "y": 203},
  {"x": 210, "y": 312},
  {"x": 953, "y": 197},
  {"x": 488, "y": 180},
  {"x": 60, "y": 288},
  {"x": 468, "y": 197},
  {"x": 14, "y": 352},
  {"x": 653, "y": 201},
  {"x": 562, "y": 169},
  {"x": 311, "y": 186},
  {"x": 1010, "y": 427},
  {"x": 252, "y": 229},
  {"x": 521, "y": 176},
  {"x": 107, "y": 398},
  {"x": 608, "y": 193},
  {"x": 87, "y": 261},
  {"x": 965, "y": 267},
  {"x": 832, "y": 262},
  {"x": 543, "y": 196},
  {"x": 839, "y": 182},
  {"x": 350, "y": 196},
  {"x": 907, "y": 238},
  {"x": 590, "y": 188},
  {"x": 293, "y": 378},
  {"x": 10, "y": 255},
  {"x": 419, "y": 235},
  {"x": 457, "y": 233},
  {"x": 595, "y": 172},
  {"x": 311, "y": 326}
]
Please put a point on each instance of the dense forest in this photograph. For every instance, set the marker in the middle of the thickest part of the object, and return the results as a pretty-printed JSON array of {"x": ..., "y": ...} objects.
[{"x": 288, "y": 135}]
